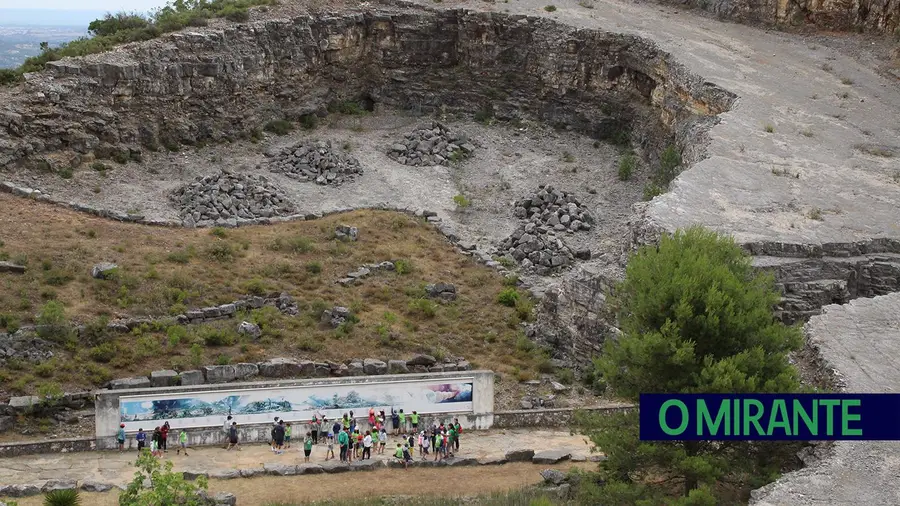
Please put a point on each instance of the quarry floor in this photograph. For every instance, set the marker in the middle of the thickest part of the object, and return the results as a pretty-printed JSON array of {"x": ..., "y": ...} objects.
[{"x": 117, "y": 468}]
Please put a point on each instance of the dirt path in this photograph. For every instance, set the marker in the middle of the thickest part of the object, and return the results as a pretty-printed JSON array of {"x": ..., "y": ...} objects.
[
  {"x": 116, "y": 468},
  {"x": 444, "y": 482}
]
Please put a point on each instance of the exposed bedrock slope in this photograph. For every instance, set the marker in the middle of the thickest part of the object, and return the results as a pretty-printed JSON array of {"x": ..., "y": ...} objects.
[{"x": 221, "y": 84}]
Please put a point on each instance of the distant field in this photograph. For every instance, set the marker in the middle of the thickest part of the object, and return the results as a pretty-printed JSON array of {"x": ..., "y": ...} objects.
[{"x": 20, "y": 42}]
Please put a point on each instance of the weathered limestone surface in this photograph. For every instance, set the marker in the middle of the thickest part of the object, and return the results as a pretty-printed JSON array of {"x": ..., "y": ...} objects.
[
  {"x": 880, "y": 16},
  {"x": 181, "y": 87},
  {"x": 861, "y": 342}
]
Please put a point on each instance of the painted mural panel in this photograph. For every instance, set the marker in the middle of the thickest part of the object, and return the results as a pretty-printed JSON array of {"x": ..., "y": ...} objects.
[{"x": 300, "y": 403}]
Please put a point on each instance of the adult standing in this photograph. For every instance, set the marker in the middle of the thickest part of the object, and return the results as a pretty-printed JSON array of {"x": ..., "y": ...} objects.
[
  {"x": 164, "y": 432},
  {"x": 314, "y": 425},
  {"x": 233, "y": 437},
  {"x": 279, "y": 436},
  {"x": 395, "y": 421},
  {"x": 367, "y": 446},
  {"x": 120, "y": 437},
  {"x": 458, "y": 429},
  {"x": 226, "y": 429},
  {"x": 344, "y": 442}
]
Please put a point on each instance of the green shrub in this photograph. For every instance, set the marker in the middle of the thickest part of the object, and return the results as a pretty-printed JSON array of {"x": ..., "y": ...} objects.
[
  {"x": 212, "y": 336},
  {"x": 524, "y": 309},
  {"x": 484, "y": 115},
  {"x": 50, "y": 390},
  {"x": 180, "y": 256},
  {"x": 219, "y": 232},
  {"x": 348, "y": 107},
  {"x": 669, "y": 162},
  {"x": 511, "y": 280},
  {"x": 309, "y": 121},
  {"x": 119, "y": 22},
  {"x": 67, "y": 497},
  {"x": 256, "y": 286},
  {"x": 508, "y": 297},
  {"x": 220, "y": 251},
  {"x": 427, "y": 307},
  {"x": 51, "y": 322},
  {"x": 279, "y": 127},
  {"x": 524, "y": 344},
  {"x": 103, "y": 353},
  {"x": 566, "y": 376},
  {"x": 296, "y": 244},
  {"x": 196, "y": 355},
  {"x": 9, "y": 76},
  {"x": 550, "y": 8},
  {"x": 462, "y": 201},
  {"x": 223, "y": 360},
  {"x": 403, "y": 266},
  {"x": 313, "y": 267},
  {"x": 57, "y": 277},
  {"x": 9, "y": 322},
  {"x": 175, "y": 334},
  {"x": 627, "y": 165},
  {"x": 652, "y": 190},
  {"x": 235, "y": 13}
]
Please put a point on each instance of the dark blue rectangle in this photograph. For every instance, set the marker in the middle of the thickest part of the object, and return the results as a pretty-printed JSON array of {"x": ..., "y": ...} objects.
[{"x": 859, "y": 417}]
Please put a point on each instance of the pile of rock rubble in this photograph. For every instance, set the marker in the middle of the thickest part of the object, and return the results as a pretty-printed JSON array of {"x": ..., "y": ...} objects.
[
  {"x": 536, "y": 243},
  {"x": 436, "y": 145},
  {"x": 537, "y": 247},
  {"x": 224, "y": 198},
  {"x": 556, "y": 209},
  {"x": 315, "y": 161}
]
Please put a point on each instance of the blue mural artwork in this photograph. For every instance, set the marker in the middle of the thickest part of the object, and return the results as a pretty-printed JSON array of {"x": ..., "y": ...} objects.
[{"x": 300, "y": 402}]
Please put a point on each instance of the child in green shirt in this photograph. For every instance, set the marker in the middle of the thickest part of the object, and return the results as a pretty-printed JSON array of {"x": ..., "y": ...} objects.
[
  {"x": 307, "y": 447},
  {"x": 287, "y": 435},
  {"x": 182, "y": 443}
]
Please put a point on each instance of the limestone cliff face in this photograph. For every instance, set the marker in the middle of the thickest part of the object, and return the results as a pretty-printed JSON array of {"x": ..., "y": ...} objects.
[
  {"x": 215, "y": 85},
  {"x": 877, "y": 16}
]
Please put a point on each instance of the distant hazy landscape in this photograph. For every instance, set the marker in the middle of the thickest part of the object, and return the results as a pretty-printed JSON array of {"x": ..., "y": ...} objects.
[{"x": 23, "y": 30}]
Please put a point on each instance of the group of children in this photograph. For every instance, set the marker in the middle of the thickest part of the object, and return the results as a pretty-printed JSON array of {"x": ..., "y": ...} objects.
[
  {"x": 158, "y": 440},
  {"x": 353, "y": 442}
]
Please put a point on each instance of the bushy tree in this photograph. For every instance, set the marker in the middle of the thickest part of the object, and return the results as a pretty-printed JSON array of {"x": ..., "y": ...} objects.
[
  {"x": 695, "y": 318},
  {"x": 167, "y": 488}
]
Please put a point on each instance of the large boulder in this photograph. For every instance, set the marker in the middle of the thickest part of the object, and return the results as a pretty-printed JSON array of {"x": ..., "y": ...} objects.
[
  {"x": 218, "y": 373},
  {"x": 346, "y": 233},
  {"x": 193, "y": 377},
  {"x": 24, "y": 401},
  {"x": 103, "y": 270},
  {"x": 7, "y": 422},
  {"x": 137, "y": 382},
  {"x": 423, "y": 360},
  {"x": 164, "y": 378},
  {"x": 224, "y": 499},
  {"x": 519, "y": 455},
  {"x": 52, "y": 485},
  {"x": 245, "y": 370},
  {"x": 373, "y": 366},
  {"x": 95, "y": 486},
  {"x": 550, "y": 456},
  {"x": 11, "y": 267},
  {"x": 397, "y": 367},
  {"x": 280, "y": 368},
  {"x": 251, "y": 330},
  {"x": 443, "y": 291}
]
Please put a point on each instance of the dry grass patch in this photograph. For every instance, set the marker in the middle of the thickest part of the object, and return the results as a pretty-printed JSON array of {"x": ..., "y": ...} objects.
[{"x": 166, "y": 271}]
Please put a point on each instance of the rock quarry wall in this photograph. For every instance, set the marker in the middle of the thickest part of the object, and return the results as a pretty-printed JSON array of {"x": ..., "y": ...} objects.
[
  {"x": 878, "y": 16},
  {"x": 221, "y": 84}
]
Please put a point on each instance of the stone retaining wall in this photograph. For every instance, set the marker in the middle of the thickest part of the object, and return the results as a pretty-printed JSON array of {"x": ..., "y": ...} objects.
[{"x": 560, "y": 417}]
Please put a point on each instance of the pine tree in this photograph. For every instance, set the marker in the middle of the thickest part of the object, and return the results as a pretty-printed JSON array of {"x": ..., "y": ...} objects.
[{"x": 695, "y": 318}]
